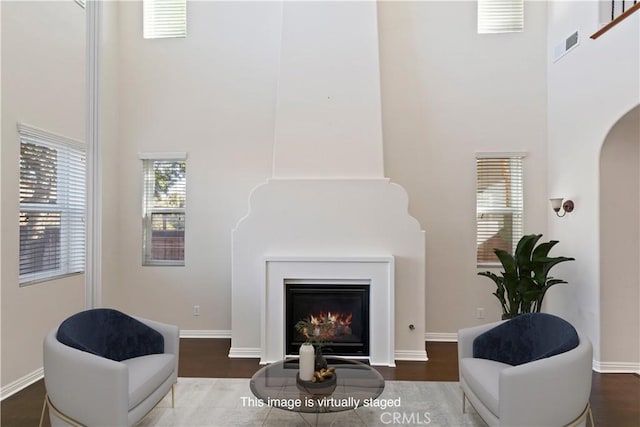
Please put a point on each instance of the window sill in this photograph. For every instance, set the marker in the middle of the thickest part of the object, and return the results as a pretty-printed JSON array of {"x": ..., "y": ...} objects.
[
  {"x": 489, "y": 265},
  {"x": 41, "y": 278},
  {"x": 163, "y": 264}
]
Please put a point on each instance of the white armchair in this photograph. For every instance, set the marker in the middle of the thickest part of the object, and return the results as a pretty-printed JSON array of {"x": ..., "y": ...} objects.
[
  {"x": 547, "y": 391},
  {"x": 85, "y": 387}
]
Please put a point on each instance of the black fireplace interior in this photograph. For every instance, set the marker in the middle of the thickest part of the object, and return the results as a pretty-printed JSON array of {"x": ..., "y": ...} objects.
[{"x": 344, "y": 307}]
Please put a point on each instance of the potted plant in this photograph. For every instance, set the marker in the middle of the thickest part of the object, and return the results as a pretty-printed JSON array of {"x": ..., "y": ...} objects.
[
  {"x": 522, "y": 285},
  {"x": 316, "y": 330}
]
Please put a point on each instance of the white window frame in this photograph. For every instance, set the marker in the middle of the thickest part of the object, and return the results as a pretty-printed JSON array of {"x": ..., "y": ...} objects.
[
  {"x": 516, "y": 209},
  {"x": 149, "y": 211},
  {"x": 70, "y": 203}
]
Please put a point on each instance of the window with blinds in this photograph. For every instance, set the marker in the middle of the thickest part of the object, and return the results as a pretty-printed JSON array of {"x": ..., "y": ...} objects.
[
  {"x": 164, "y": 203},
  {"x": 52, "y": 205},
  {"x": 164, "y": 18},
  {"x": 499, "y": 205},
  {"x": 500, "y": 16}
]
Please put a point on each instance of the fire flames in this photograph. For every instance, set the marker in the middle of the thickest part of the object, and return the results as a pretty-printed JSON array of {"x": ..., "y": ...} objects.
[{"x": 327, "y": 326}]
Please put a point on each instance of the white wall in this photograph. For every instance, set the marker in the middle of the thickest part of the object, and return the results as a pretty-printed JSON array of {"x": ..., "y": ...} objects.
[
  {"x": 328, "y": 102},
  {"x": 43, "y": 85},
  {"x": 448, "y": 93},
  {"x": 211, "y": 94},
  {"x": 588, "y": 91}
]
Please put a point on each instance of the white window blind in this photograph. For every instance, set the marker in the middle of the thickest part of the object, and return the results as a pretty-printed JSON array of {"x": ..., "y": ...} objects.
[
  {"x": 164, "y": 204},
  {"x": 52, "y": 205},
  {"x": 500, "y": 16},
  {"x": 499, "y": 204},
  {"x": 164, "y": 18}
]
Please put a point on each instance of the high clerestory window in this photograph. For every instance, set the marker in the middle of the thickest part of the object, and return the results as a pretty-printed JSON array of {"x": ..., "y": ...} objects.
[
  {"x": 164, "y": 209},
  {"x": 499, "y": 204},
  {"x": 52, "y": 205},
  {"x": 500, "y": 16},
  {"x": 164, "y": 18}
]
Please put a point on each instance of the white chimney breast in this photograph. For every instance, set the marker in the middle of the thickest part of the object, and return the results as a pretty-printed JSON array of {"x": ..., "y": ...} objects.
[
  {"x": 328, "y": 112},
  {"x": 328, "y": 198}
]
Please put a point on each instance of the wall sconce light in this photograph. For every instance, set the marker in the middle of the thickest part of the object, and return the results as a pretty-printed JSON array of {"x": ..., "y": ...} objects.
[{"x": 556, "y": 204}]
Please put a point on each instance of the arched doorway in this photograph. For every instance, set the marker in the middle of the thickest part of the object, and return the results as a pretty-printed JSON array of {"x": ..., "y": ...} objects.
[{"x": 620, "y": 245}]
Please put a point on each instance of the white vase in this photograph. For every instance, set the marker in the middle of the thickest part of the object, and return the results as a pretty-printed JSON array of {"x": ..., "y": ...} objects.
[{"x": 307, "y": 361}]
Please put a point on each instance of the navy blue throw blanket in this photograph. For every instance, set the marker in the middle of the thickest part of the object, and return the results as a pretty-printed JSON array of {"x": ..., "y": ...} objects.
[
  {"x": 111, "y": 334},
  {"x": 526, "y": 338}
]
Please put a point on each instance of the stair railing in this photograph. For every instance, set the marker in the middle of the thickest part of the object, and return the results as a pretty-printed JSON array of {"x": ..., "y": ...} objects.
[{"x": 615, "y": 20}]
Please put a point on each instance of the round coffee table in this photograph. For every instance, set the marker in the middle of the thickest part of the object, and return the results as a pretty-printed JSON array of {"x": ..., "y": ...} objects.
[{"x": 356, "y": 384}]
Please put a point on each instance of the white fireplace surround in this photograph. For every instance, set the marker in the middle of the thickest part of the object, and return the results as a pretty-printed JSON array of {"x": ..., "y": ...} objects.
[
  {"x": 376, "y": 271},
  {"x": 328, "y": 229}
]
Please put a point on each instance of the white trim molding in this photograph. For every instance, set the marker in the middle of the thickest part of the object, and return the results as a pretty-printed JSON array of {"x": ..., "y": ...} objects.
[
  {"x": 410, "y": 355},
  {"x": 500, "y": 154},
  {"x": 21, "y": 383},
  {"x": 616, "y": 367},
  {"x": 33, "y": 132},
  {"x": 93, "y": 269},
  {"x": 375, "y": 271},
  {"x": 245, "y": 352},
  {"x": 441, "y": 336},
  {"x": 168, "y": 155},
  {"x": 195, "y": 333}
]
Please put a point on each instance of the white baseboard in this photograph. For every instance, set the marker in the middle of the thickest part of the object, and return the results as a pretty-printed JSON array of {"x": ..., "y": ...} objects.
[
  {"x": 441, "y": 336},
  {"x": 616, "y": 367},
  {"x": 20, "y": 383},
  {"x": 195, "y": 333},
  {"x": 245, "y": 352},
  {"x": 411, "y": 355}
]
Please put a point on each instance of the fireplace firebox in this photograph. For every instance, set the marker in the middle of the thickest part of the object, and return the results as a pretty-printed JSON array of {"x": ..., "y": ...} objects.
[{"x": 342, "y": 310}]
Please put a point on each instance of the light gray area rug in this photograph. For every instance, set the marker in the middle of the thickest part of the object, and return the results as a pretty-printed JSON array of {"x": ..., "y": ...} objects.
[{"x": 222, "y": 402}]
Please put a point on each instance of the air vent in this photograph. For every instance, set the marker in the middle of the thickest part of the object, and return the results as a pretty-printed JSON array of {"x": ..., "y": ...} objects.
[{"x": 567, "y": 45}]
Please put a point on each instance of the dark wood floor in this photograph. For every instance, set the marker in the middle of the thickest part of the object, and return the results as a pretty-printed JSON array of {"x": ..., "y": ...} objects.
[{"x": 615, "y": 398}]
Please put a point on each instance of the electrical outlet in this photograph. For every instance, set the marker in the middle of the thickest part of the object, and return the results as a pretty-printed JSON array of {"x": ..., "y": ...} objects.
[
  {"x": 196, "y": 310},
  {"x": 480, "y": 313}
]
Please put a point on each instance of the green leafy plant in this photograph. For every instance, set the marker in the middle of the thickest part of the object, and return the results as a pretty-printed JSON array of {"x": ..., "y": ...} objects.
[{"x": 522, "y": 285}]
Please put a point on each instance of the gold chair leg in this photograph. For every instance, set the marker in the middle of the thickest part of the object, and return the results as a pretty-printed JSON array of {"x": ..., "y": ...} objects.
[
  {"x": 173, "y": 395},
  {"x": 62, "y": 416},
  {"x": 44, "y": 406},
  {"x": 75, "y": 423},
  {"x": 582, "y": 417}
]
